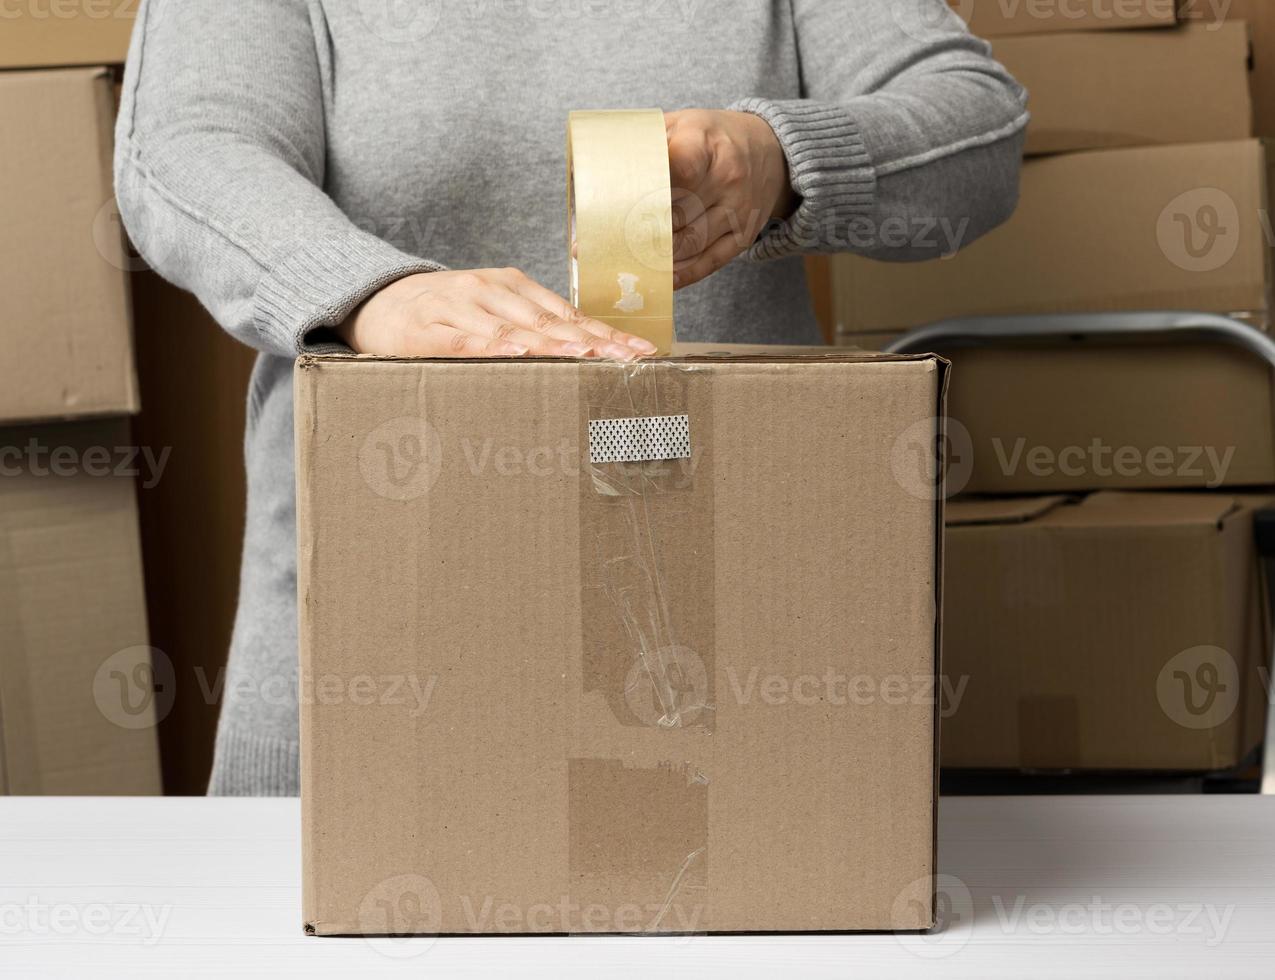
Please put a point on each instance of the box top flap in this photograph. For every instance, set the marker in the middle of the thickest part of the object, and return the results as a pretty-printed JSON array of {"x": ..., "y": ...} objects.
[
  {"x": 1000, "y": 510},
  {"x": 1113, "y": 508},
  {"x": 1108, "y": 508},
  {"x": 58, "y": 76},
  {"x": 682, "y": 353}
]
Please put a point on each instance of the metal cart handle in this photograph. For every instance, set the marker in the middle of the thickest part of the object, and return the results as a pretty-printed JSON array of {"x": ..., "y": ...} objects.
[{"x": 992, "y": 330}]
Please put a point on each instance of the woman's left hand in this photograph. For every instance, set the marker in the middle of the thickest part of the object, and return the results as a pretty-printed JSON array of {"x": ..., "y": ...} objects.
[{"x": 730, "y": 178}]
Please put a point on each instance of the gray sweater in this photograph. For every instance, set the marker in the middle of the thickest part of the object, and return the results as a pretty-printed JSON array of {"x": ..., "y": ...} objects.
[{"x": 283, "y": 159}]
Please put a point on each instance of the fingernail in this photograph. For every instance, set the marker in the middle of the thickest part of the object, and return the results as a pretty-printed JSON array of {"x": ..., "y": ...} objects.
[
  {"x": 578, "y": 350},
  {"x": 620, "y": 352},
  {"x": 513, "y": 350},
  {"x": 642, "y": 344}
]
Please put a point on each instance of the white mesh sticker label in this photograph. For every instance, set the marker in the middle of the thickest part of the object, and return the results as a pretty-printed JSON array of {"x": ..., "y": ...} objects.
[{"x": 640, "y": 439}]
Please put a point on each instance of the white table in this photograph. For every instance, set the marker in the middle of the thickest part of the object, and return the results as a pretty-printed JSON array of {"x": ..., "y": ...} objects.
[{"x": 1062, "y": 886}]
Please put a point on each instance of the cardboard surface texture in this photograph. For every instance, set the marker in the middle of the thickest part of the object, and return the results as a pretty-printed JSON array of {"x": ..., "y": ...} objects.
[
  {"x": 1123, "y": 631},
  {"x": 1181, "y": 227},
  {"x": 77, "y": 708},
  {"x": 1259, "y": 17},
  {"x": 1090, "y": 415},
  {"x": 1114, "y": 89},
  {"x": 65, "y": 330},
  {"x": 65, "y": 33},
  {"x": 644, "y": 704},
  {"x": 993, "y": 18}
]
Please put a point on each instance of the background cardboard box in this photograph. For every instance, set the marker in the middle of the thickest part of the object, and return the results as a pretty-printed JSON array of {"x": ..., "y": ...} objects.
[
  {"x": 994, "y": 18},
  {"x": 65, "y": 329},
  {"x": 78, "y": 693},
  {"x": 1119, "y": 88},
  {"x": 540, "y": 595},
  {"x": 1121, "y": 632},
  {"x": 63, "y": 33},
  {"x": 1168, "y": 227},
  {"x": 1259, "y": 16},
  {"x": 1089, "y": 415}
]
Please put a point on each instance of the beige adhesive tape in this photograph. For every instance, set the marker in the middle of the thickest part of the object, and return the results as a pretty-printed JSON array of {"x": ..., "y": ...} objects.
[{"x": 620, "y": 221}]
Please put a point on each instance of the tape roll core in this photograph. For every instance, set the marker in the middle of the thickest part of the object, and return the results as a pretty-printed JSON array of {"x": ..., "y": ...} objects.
[{"x": 620, "y": 221}]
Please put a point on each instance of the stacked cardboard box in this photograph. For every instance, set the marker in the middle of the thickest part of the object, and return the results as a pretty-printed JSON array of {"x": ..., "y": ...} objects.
[
  {"x": 1104, "y": 610},
  {"x": 192, "y": 567},
  {"x": 66, "y": 33},
  {"x": 79, "y": 689},
  {"x": 1154, "y": 195}
]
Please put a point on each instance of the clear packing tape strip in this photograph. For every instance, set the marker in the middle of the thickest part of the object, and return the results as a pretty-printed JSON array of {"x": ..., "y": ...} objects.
[
  {"x": 647, "y": 541},
  {"x": 620, "y": 221},
  {"x": 638, "y": 791}
]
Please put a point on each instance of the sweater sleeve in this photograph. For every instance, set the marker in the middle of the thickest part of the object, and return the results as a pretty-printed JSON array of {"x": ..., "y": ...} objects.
[
  {"x": 219, "y": 169},
  {"x": 908, "y": 141}
]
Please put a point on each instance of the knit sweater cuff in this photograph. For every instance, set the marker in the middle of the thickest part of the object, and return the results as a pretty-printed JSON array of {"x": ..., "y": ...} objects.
[
  {"x": 247, "y": 764},
  {"x": 320, "y": 284},
  {"x": 829, "y": 167}
]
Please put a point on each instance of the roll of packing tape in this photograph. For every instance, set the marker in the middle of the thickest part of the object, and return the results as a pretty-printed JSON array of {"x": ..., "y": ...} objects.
[{"x": 620, "y": 221}]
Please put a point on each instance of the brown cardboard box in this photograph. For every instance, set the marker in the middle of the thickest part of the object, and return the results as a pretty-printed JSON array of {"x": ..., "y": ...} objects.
[
  {"x": 994, "y": 18},
  {"x": 646, "y": 707},
  {"x": 1259, "y": 15},
  {"x": 65, "y": 330},
  {"x": 1166, "y": 227},
  {"x": 64, "y": 33},
  {"x": 1120, "y": 632},
  {"x": 1092, "y": 415},
  {"x": 78, "y": 693},
  {"x": 1112, "y": 89}
]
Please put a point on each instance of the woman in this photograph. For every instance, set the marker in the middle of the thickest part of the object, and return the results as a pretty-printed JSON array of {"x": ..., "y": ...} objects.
[{"x": 388, "y": 176}]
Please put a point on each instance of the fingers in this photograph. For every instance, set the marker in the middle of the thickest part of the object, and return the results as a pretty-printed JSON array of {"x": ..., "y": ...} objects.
[
  {"x": 437, "y": 339},
  {"x": 537, "y": 342},
  {"x": 689, "y": 153},
  {"x": 688, "y": 207},
  {"x": 568, "y": 322},
  {"x": 707, "y": 262},
  {"x": 480, "y": 313},
  {"x": 543, "y": 331},
  {"x": 716, "y": 222}
]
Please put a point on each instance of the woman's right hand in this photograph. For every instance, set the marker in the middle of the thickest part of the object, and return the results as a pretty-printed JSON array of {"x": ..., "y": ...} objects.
[{"x": 480, "y": 313}]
